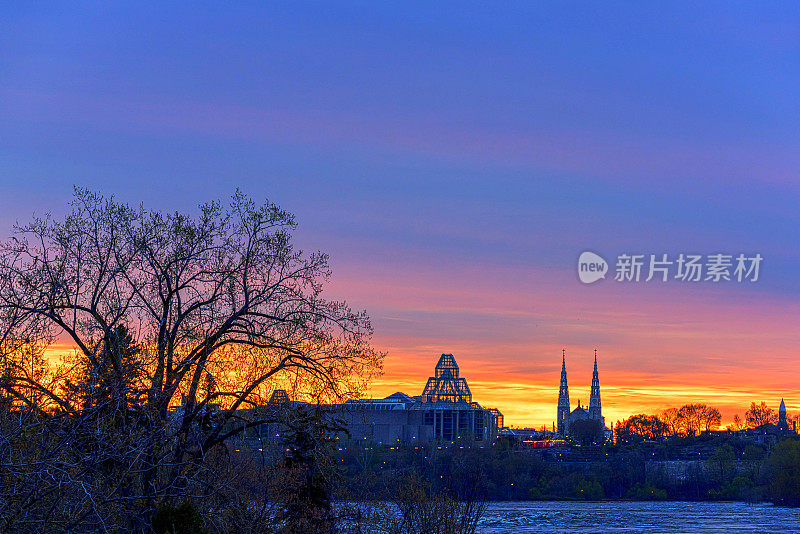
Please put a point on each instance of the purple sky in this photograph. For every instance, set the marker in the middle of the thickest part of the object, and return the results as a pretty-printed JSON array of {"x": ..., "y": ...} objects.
[{"x": 456, "y": 152}]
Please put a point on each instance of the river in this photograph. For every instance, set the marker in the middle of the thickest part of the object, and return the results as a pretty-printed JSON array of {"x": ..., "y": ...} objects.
[{"x": 634, "y": 517}]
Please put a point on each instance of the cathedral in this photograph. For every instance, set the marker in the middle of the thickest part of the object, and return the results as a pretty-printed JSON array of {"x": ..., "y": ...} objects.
[{"x": 565, "y": 417}]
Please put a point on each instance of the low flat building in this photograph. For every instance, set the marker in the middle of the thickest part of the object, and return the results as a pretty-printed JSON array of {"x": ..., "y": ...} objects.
[{"x": 444, "y": 412}]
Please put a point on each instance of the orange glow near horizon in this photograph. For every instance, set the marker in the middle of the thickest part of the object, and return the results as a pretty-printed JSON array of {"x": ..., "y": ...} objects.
[
  {"x": 528, "y": 399},
  {"x": 658, "y": 347},
  {"x": 655, "y": 350}
]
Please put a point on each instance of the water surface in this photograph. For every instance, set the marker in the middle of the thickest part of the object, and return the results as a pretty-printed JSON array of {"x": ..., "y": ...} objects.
[{"x": 645, "y": 517}]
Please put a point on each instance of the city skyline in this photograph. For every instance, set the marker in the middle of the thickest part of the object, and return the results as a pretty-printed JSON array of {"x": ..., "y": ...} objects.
[
  {"x": 455, "y": 163},
  {"x": 620, "y": 407}
]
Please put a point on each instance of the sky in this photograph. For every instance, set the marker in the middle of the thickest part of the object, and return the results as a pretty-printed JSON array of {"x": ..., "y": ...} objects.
[{"x": 455, "y": 160}]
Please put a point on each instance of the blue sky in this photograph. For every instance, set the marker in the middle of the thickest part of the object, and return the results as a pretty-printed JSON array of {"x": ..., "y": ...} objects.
[{"x": 478, "y": 146}]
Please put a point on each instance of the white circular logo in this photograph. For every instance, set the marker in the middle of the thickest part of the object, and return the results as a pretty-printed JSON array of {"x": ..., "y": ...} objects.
[{"x": 591, "y": 267}]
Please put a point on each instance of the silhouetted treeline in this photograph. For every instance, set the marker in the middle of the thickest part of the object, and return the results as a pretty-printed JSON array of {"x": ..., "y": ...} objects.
[
  {"x": 681, "y": 468},
  {"x": 691, "y": 420}
]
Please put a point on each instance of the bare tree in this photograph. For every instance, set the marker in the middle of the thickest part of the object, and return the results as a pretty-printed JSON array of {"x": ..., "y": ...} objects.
[
  {"x": 710, "y": 418},
  {"x": 760, "y": 414},
  {"x": 640, "y": 427},
  {"x": 178, "y": 323},
  {"x": 671, "y": 417},
  {"x": 418, "y": 510},
  {"x": 691, "y": 419},
  {"x": 737, "y": 424}
]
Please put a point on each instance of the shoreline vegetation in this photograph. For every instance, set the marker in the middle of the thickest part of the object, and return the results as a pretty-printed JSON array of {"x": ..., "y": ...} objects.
[{"x": 702, "y": 468}]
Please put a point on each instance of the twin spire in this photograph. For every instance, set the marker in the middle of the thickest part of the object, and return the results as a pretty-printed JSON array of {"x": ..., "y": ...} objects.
[{"x": 564, "y": 413}]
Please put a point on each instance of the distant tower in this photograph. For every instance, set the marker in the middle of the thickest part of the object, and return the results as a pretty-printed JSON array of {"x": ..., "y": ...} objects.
[
  {"x": 594, "y": 396},
  {"x": 782, "y": 425},
  {"x": 563, "y": 398}
]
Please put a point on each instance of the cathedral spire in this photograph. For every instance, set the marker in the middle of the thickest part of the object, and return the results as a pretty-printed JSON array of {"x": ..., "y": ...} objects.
[
  {"x": 782, "y": 423},
  {"x": 563, "y": 398},
  {"x": 595, "y": 411}
]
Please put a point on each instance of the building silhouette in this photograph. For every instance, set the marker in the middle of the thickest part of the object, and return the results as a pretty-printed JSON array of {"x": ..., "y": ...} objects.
[
  {"x": 783, "y": 426},
  {"x": 564, "y": 417},
  {"x": 595, "y": 411},
  {"x": 444, "y": 412},
  {"x": 563, "y": 398},
  {"x": 446, "y": 385}
]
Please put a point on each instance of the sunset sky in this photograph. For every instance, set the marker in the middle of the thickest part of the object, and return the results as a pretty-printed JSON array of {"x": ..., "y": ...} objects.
[{"x": 455, "y": 161}]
